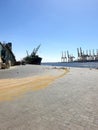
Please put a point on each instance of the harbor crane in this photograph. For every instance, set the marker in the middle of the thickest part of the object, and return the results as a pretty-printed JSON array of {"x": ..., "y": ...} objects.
[
  {"x": 63, "y": 58},
  {"x": 70, "y": 57}
]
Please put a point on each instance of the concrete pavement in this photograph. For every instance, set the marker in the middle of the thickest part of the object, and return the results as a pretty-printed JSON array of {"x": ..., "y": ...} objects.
[{"x": 68, "y": 103}]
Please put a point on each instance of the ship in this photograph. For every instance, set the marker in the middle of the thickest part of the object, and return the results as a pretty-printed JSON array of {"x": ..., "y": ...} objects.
[{"x": 33, "y": 58}]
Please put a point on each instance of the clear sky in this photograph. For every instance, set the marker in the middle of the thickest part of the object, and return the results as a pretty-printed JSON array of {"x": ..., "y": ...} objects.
[{"x": 58, "y": 25}]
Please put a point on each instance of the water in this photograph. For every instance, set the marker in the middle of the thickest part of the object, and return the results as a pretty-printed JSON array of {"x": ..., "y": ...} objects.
[{"x": 74, "y": 64}]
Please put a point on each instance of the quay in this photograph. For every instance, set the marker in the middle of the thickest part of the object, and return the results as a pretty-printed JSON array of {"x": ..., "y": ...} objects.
[{"x": 68, "y": 101}]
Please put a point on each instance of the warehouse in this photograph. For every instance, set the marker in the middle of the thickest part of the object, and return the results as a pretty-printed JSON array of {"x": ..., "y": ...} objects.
[{"x": 7, "y": 57}]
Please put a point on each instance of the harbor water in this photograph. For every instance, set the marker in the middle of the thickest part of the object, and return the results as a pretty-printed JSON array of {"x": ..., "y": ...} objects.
[{"x": 73, "y": 64}]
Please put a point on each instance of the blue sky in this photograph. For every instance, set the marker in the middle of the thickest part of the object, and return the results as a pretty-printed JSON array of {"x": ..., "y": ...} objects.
[{"x": 58, "y": 25}]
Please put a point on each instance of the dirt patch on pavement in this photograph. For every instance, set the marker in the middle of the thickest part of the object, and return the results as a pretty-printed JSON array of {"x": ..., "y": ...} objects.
[{"x": 13, "y": 88}]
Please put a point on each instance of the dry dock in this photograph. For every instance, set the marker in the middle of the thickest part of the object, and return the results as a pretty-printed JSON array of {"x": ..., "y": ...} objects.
[{"x": 68, "y": 101}]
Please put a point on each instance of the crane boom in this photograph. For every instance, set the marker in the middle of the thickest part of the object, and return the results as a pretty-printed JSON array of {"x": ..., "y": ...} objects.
[{"x": 35, "y": 50}]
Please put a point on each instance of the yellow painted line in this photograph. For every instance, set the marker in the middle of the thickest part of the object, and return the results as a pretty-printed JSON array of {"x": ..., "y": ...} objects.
[{"x": 13, "y": 88}]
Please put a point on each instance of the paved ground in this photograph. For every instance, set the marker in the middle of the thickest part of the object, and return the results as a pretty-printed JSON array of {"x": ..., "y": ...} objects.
[{"x": 69, "y": 103}]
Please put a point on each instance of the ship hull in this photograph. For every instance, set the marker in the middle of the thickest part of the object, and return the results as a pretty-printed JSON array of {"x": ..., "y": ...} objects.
[
  {"x": 36, "y": 61},
  {"x": 33, "y": 60}
]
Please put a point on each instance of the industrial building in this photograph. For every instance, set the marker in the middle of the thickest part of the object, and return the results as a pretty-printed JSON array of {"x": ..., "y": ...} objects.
[{"x": 7, "y": 57}]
